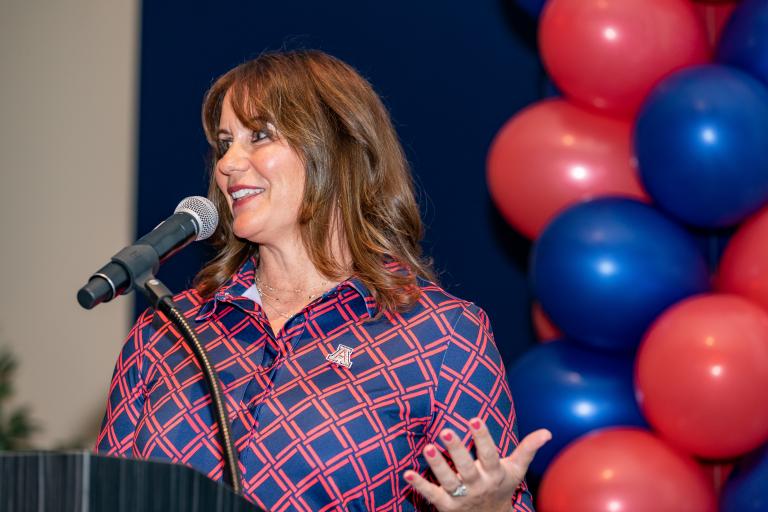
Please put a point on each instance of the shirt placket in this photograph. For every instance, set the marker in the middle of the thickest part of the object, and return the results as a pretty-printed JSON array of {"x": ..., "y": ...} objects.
[{"x": 277, "y": 350}]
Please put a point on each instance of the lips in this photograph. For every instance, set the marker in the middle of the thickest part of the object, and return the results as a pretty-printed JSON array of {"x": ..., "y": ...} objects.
[{"x": 242, "y": 193}]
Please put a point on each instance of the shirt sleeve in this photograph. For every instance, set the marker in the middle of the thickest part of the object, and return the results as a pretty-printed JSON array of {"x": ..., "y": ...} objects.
[
  {"x": 126, "y": 395},
  {"x": 472, "y": 383}
]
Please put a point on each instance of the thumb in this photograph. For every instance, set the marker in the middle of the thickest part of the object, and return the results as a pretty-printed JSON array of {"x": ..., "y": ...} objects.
[{"x": 523, "y": 455}]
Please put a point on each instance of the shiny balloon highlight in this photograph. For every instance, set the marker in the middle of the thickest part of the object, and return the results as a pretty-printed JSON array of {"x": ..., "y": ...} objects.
[
  {"x": 608, "y": 54},
  {"x": 571, "y": 391},
  {"x": 624, "y": 469},
  {"x": 553, "y": 155},
  {"x": 700, "y": 141},
  {"x": 702, "y": 376},
  {"x": 605, "y": 269}
]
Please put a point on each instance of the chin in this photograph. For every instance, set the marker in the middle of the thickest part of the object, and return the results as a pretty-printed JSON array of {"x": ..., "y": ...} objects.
[{"x": 244, "y": 230}]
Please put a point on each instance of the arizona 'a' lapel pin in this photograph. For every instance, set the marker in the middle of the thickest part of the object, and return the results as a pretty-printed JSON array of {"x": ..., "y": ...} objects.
[{"x": 342, "y": 356}]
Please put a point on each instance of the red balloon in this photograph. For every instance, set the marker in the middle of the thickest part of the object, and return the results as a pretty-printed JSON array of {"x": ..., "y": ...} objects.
[
  {"x": 554, "y": 154},
  {"x": 702, "y": 374},
  {"x": 545, "y": 329},
  {"x": 609, "y": 54},
  {"x": 627, "y": 470},
  {"x": 714, "y": 15},
  {"x": 744, "y": 265}
]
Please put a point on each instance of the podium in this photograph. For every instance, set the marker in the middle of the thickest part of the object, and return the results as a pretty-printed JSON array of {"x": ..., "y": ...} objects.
[{"x": 85, "y": 482}]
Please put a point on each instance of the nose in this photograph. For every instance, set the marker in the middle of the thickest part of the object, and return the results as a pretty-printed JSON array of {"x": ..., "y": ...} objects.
[{"x": 234, "y": 160}]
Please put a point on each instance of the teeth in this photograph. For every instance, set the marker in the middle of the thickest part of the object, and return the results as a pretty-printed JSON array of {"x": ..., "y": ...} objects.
[{"x": 244, "y": 192}]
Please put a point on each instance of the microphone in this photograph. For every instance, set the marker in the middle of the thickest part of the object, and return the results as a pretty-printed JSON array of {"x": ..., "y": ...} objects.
[{"x": 195, "y": 218}]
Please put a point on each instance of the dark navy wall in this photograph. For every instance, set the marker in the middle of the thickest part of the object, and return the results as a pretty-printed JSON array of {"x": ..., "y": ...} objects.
[{"x": 451, "y": 73}]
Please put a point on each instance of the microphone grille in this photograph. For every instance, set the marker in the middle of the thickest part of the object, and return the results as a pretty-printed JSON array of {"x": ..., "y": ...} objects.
[{"x": 203, "y": 211}]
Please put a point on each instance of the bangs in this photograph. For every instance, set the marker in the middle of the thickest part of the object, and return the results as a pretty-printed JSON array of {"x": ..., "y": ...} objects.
[{"x": 250, "y": 97}]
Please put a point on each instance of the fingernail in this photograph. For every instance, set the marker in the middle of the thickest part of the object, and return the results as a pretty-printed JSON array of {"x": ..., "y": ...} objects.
[
  {"x": 447, "y": 436},
  {"x": 430, "y": 451},
  {"x": 409, "y": 477},
  {"x": 475, "y": 424}
]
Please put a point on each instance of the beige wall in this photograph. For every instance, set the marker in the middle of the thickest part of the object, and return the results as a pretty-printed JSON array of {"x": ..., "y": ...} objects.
[{"x": 67, "y": 118}]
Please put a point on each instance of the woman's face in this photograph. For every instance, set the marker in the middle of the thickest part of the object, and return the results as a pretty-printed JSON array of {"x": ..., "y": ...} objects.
[{"x": 262, "y": 178}]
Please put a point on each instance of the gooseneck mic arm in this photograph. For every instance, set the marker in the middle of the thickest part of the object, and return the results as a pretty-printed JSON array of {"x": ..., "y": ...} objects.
[{"x": 161, "y": 299}]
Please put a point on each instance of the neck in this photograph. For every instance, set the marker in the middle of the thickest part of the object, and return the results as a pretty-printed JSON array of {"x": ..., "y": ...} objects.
[
  {"x": 287, "y": 270},
  {"x": 288, "y": 266}
]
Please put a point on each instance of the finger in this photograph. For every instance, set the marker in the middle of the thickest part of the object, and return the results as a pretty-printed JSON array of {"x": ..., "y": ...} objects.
[
  {"x": 433, "y": 493},
  {"x": 526, "y": 450},
  {"x": 486, "y": 450},
  {"x": 460, "y": 456},
  {"x": 445, "y": 475}
]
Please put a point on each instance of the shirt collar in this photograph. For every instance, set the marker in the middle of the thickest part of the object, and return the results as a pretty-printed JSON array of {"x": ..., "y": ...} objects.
[
  {"x": 245, "y": 277},
  {"x": 371, "y": 306},
  {"x": 234, "y": 287}
]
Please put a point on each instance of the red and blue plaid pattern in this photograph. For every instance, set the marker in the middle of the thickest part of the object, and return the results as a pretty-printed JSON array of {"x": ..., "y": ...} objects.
[{"x": 311, "y": 434}]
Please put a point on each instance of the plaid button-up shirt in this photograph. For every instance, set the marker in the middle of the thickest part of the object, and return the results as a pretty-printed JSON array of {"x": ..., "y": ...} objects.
[{"x": 312, "y": 434}]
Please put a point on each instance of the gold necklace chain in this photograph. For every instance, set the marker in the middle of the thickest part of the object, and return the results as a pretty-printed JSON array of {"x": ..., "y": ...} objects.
[
  {"x": 263, "y": 293},
  {"x": 295, "y": 291},
  {"x": 281, "y": 313},
  {"x": 260, "y": 287},
  {"x": 266, "y": 295}
]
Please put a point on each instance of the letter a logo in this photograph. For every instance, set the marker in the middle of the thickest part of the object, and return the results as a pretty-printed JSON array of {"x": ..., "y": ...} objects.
[{"x": 342, "y": 356}]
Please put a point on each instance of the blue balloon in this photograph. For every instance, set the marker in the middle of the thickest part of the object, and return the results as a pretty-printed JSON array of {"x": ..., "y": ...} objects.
[
  {"x": 603, "y": 270},
  {"x": 744, "y": 41},
  {"x": 747, "y": 487},
  {"x": 700, "y": 141},
  {"x": 571, "y": 390}
]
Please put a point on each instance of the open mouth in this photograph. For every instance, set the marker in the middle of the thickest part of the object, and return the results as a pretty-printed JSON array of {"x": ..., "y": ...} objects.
[{"x": 241, "y": 194}]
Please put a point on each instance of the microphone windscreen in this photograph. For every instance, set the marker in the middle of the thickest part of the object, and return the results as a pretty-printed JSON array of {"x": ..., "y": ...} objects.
[{"x": 203, "y": 211}]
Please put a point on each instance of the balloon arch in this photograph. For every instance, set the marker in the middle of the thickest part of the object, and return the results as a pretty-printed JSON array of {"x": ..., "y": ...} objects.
[{"x": 653, "y": 376}]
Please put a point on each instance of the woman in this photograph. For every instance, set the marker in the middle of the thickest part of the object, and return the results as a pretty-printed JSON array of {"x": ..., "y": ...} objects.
[{"x": 348, "y": 374}]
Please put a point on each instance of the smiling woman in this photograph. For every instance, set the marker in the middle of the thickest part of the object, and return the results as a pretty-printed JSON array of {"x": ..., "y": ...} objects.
[
  {"x": 342, "y": 362},
  {"x": 358, "y": 204},
  {"x": 261, "y": 179}
]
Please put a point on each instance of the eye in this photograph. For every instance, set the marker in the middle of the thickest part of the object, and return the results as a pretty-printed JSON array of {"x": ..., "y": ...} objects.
[
  {"x": 222, "y": 145},
  {"x": 259, "y": 135}
]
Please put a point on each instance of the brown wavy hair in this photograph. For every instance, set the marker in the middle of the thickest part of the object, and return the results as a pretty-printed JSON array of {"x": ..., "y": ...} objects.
[{"x": 357, "y": 176}]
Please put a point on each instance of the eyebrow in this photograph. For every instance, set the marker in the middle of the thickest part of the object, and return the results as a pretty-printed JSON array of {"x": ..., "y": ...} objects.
[{"x": 257, "y": 119}]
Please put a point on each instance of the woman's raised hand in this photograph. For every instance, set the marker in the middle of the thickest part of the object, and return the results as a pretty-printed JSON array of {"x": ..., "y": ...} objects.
[{"x": 485, "y": 484}]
